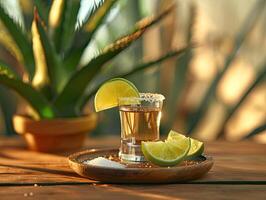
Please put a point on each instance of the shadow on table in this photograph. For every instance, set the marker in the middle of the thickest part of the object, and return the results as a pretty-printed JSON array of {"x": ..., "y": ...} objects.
[{"x": 45, "y": 170}]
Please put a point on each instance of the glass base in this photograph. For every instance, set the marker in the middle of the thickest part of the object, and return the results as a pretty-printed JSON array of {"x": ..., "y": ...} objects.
[
  {"x": 131, "y": 158},
  {"x": 130, "y": 152}
]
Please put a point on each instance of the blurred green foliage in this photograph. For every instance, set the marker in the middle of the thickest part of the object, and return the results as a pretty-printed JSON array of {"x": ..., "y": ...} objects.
[
  {"x": 96, "y": 32},
  {"x": 54, "y": 80}
]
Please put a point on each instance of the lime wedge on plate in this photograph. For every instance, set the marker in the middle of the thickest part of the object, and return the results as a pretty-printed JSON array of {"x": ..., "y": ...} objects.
[
  {"x": 108, "y": 94},
  {"x": 196, "y": 149},
  {"x": 165, "y": 153}
]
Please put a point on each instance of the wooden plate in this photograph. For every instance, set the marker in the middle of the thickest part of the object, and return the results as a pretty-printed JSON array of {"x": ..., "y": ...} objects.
[{"x": 186, "y": 171}]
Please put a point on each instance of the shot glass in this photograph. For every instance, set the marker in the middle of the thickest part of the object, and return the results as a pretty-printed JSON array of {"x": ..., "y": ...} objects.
[{"x": 140, "y": 121}]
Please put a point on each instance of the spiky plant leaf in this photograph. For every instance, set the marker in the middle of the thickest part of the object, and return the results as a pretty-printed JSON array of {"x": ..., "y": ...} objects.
[
  {"x": 69, "y": 24},
  {"x": 7, "y": 100},
  {"x": 136, "y": 69},
  {"x": 56, "y": 13},
  {"x": 151, "y": 20},
  {"x": 76, "y": 86},
  {"x": 91, "y": 25},
  {"x": 80, "y": 80},
  {"x": 56, "y": 16},
  {"x": 241, "y": 36},
  {"x": 20, "y": 39},
  {"x": 42, "y": 8},
  {"x": 96, "y": 19},
  {"x": 35, "y": 99},
  {"x": 260, "y": 78},
  {"x": 8, "y": 108},
  {"x": 48, "y": 70},
  {"x": 62, "y": 22},
  {"x": 8, "y": 43},
  {"x": 5, "y": 68},
  {"x": 181, "y": 68},
  {"x": 256, "y": 131}
]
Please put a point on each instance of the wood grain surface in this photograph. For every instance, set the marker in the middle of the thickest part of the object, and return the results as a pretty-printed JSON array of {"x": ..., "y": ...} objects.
[
  {"x": 239, "y": 172},
  {"x": 133, "y": 192}
]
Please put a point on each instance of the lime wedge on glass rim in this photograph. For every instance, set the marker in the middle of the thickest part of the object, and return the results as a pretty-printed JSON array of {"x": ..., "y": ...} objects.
[
  {"x": 108, "y": 94},
  {"x": 196, "y": 149},
  {"x": 165, "y": 153}
]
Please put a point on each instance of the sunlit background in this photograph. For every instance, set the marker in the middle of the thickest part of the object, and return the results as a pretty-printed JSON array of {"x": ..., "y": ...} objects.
[{"x": 202, "y": 98}]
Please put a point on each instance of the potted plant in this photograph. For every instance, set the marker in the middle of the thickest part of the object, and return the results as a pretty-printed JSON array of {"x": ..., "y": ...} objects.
[{"x": 54, "y": 82}]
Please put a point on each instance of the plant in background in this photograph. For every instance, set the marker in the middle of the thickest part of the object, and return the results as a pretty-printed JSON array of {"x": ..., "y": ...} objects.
[
  {"x": 54, "y": 82},
  {"x": 182, "y": 65}
]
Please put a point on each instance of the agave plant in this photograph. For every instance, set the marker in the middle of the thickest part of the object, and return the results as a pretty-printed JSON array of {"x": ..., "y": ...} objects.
[
  {"x": 54, "y": 81},
  {"x": 193, "y": 119}
]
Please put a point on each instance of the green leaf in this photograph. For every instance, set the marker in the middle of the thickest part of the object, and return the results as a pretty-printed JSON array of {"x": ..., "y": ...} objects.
[
  {"x": 62, "y": 21},
  {"x": 256, "y": 131},
  {"x": 77, "y": 84},
  {"x": 49, "y": 74},
  {"x": 56, "y": 18},
  {"x": 8, "y": 69},
  {"x": 42, "y": 9},
  {"x": 7, "y": 100},
  {"x": 71, "y": 95},
  {"x": 136, "y": 69},
  {"x": 69, "y": 24},
  {"x": 90, "y": 25},
  {"x": 97, "y": 18},
  {"x": 33, "y": 97},
  {"x": 149, "y": 64},
  {"x": 260, "y": 78},
  {"x": 177, "y": 87},
  {"x": 7, "y": 43},
  {"x": 20, "y": 39},
  {"x": 242, "y": 35},
  {"x": 8, "y": 108},
  {"x": 179, "y": 80},
  {"x": 151, "y": 20}
]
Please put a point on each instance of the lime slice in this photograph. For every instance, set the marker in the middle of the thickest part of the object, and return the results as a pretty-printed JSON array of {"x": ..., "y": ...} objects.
[
  {"x": 165, "y": 153},
  {"x": 108, "y": 94},
  {"x": 196, "y": 149}
]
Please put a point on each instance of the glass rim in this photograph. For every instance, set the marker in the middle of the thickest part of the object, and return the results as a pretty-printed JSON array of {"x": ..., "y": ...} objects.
[{"x": 150, "y": 97}]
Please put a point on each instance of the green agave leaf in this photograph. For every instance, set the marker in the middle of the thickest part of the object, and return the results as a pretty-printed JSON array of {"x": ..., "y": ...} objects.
[
  {"x": 136, "y": 69},
  {"x": 7, "y": 42},
  {"x": 42, "y": 8},
  {"x": 62, "y": 22},
  {"x": 260, "y": 78},
  {"x": 20, "y": 39},
  {"x": 8, "y": 108},
  {"x": 7, "y": 100},
  {"x": 242, "y": 35},
  {"x": 5, "y": 68},
  {"x": 149, "y": 21},
  {"x": 96, "y": 19},
  {"x": 91, "y": 25},
  {"x": 76, "y": 86},
  {"x": 177, "y": 87},
  {"x": 48, "y": 71},
  {"x": 56, "y": 18},
  {"x": 179, "y": 81},
  {"x": 256, "y": 131},
  {"x": 71, "y": 95},
  {"x": 69, "y": 24},
  {"x": 33, "y": 97}
]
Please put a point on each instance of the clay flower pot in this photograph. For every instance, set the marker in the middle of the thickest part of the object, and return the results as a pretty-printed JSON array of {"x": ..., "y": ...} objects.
[{"x": 56, "y": 135}]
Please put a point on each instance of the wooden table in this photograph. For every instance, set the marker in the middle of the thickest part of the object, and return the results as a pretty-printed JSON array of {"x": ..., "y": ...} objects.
[{"x": 239, "y": 172}]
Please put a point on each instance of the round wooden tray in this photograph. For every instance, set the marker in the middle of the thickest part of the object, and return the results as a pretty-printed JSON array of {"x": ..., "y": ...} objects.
[{"x": 186, "y": 171}]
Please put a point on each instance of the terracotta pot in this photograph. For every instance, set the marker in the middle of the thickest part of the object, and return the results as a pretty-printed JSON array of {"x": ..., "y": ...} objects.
[{"x": 56, "y": 135}]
